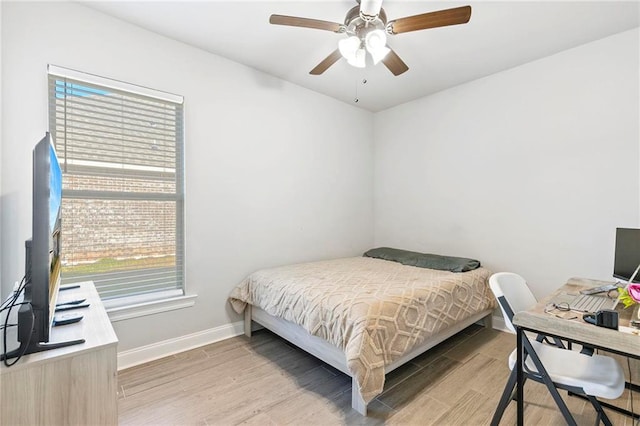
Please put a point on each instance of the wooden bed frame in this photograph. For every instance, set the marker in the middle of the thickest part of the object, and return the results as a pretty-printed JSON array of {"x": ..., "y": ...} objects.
[{"x": 335, "y": 357}]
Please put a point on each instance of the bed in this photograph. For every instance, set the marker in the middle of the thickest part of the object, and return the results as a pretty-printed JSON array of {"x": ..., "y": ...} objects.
[{"x": 364, "y": 316}]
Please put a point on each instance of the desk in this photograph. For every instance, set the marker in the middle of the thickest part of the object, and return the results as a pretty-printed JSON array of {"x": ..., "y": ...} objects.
[{"x": 577, "y": 331}]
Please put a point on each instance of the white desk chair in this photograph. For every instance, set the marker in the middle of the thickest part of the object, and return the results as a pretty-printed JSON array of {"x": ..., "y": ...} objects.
[
  {"x": 521, "y": 298},
  {"x": 594, "y": 376}
]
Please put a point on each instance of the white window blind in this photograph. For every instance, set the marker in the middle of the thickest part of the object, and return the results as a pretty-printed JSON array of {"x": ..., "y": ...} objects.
[{"x": 121, "y": 149}]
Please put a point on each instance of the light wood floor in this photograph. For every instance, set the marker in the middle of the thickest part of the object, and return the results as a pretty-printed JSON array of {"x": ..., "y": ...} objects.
[{"x": 266, "y": 381}]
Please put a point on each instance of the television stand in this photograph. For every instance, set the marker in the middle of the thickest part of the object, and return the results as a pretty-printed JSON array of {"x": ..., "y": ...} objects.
[{"x": 74, "y": 383}]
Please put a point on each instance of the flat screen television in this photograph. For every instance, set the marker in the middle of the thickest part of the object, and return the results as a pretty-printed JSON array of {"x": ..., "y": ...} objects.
[
  {"x": 42, "y": 260},
  {"x": 627, "y": 254}
]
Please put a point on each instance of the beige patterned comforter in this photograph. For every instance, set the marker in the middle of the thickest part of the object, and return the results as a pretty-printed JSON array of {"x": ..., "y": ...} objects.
[{"x": 374, "y": 310}]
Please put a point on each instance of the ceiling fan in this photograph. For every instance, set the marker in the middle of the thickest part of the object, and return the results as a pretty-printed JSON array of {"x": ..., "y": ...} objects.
[{"x": 367, "y": 27}]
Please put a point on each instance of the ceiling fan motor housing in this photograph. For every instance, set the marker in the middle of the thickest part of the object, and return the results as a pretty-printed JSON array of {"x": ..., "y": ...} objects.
[
  {"x": 370, "y": 9},
  {"x": 356, "y": 25}
]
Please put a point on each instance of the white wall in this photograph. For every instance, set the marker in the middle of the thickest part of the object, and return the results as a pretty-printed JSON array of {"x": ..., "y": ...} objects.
[
  {"x": 1, "y": 133},
  {"x": 275, "y": 173},
  {"x": 529, "y": 170}
]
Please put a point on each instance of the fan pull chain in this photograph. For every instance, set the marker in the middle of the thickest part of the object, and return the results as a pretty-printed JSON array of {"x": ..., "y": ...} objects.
[{"x": 363, "y": 82}]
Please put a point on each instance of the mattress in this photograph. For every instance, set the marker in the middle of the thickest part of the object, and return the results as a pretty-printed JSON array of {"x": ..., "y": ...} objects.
[{"x": 372, "y": 309}]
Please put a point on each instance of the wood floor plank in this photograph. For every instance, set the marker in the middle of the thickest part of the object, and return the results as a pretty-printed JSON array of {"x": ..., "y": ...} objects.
[
  {"x": 309, "y": 402},
  {"x": 422, "y": 410},
  {"x": 471, "y": 409},
  {"x": 232, "y": 402},
  {"x": 470, "y": 375},
  {"x": 162, "y": 375},
  {"x": 492, "y": 343},
  {"x": 266, "y": 381},
  {"x": 422, "y": 381},
  {"x": 441, "y": 349},
  {"x": 400, "y": 374}
]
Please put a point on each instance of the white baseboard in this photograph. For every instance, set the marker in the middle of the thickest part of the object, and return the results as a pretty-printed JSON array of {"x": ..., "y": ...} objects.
[{"x": 158, "y": 350}]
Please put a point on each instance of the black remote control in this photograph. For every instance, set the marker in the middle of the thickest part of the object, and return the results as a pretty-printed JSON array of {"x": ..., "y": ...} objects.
[
  {"x": 71, "y": 302},
  {"x": 68, "y": 287},
  {"x": 69, "y": 307},
  {"x": 68, "y": 318}
]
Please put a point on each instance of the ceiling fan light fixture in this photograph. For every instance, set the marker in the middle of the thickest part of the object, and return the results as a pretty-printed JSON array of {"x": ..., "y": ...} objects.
[
  {"x": 375, "y": 39},
  {"x": 379, "y": 54},
  {"x": 358, "y": 59},
  {"x": 348, "y": 47},
  {"x": 376, "y": 43}
]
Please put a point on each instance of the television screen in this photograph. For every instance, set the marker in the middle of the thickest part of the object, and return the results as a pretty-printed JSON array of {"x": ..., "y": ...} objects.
[
  {"x": 627, "y": 254},
  {"x": 43, "y": 262},
  {"x": 43, "y": 268},
  {"x": 55, "y": 209}
]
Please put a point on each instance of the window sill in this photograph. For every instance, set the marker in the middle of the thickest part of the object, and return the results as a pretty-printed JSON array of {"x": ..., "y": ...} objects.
[{"x": 118, "y": 312}]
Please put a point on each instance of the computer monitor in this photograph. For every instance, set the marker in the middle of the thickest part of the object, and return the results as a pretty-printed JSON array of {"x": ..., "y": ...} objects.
[{"x": 627, "y": 254}]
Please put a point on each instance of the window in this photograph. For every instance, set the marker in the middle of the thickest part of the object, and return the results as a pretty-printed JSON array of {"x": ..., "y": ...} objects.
[{"x": 121, "y": 148}]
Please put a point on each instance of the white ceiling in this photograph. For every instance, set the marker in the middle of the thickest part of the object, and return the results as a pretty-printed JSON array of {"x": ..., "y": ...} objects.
[{"x": 499, "y": 36}]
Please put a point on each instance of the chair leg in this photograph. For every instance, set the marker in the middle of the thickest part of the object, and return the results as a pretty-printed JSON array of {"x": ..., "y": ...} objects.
[
  {"x": 544, "y": 377},
  {"x": 507, "y": 394},
  {"x": 602, "y": 416}
]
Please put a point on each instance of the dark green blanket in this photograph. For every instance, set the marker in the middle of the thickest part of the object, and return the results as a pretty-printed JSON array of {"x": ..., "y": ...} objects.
[{"x": 424, "y": 260}]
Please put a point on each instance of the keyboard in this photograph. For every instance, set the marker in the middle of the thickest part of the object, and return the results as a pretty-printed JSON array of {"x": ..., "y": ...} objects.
[{"x": 587, "y": 303}]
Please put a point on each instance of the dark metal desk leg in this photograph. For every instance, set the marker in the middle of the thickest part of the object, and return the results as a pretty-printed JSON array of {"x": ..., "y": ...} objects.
[{"x": 519, "y": 377}]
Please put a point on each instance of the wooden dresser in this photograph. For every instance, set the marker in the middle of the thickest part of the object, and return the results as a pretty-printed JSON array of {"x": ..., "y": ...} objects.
[{"x": 75, "y": 385}]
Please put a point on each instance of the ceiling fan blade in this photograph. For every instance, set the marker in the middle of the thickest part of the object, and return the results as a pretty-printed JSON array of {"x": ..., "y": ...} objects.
[
  {"x": 441, "y": 18},
  {"x": 326, "y": 63},
  {"x": 295, "y": 21},
  {"x": 394, "y": 63}
]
